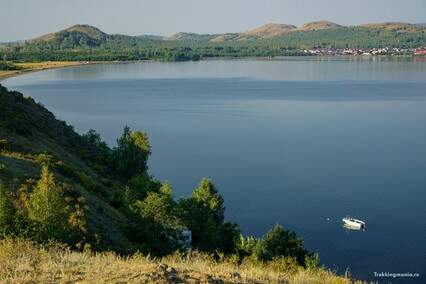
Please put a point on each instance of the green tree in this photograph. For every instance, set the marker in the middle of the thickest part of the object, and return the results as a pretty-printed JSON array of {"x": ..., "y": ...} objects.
[
  {"x": 278, "y": 242},
  {"x": 156, "y": 226},
  {"x": 203, "y": 214},
  {"x": 160, "y": 207},
  {"x": 207, "y": 196},
  {"x": 138, "y": 188},
  {"x": 47, "y": 209},
  {"x": 131, "y": 154}
]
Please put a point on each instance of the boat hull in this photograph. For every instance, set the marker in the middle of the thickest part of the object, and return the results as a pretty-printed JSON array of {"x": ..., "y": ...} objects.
[{"x": 353, "y": 223}]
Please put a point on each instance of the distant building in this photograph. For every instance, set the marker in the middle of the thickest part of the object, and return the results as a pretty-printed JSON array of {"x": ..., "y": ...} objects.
[{"x": 420, "y": 52}]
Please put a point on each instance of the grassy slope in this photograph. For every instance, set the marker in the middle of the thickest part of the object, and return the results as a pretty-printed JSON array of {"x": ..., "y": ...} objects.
[
  {"x": 38, "y": 132},
  {"x": 21, "y": 261}
]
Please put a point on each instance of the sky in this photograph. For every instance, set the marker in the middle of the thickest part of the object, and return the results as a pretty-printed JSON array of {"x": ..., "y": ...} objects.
[{"x": 24, "y": 19}]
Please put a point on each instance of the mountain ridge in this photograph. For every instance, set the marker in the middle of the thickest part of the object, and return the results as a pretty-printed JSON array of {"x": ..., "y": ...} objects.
[
  {"x": 88, "y": 43},
  {"x": 269, "y": 30}
]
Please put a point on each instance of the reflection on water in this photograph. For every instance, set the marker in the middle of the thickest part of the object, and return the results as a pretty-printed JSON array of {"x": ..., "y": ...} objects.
[
  {"x": 354, "y": 228},
  {"x": 290, "y": 141}
]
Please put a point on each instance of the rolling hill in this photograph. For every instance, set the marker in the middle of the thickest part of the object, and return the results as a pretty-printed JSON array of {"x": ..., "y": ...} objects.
[
  {"x": 87, "y": 43},
  {"x": 275, "y": 30},
  {"x": 319, "y": 25},
  {"x": 269, "y": 30},
  {"x": 395, "y": 26},
  {"x": 89, "y": 31},
  {"x": 89, "y": 36}
]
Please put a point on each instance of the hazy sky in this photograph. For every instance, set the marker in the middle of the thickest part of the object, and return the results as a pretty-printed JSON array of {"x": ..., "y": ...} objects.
[{"x": 23, "y": 19}]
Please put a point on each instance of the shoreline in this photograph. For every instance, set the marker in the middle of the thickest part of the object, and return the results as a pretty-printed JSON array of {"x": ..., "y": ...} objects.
[
  {"x": 44, "y": 66},
  {"x": 58, "y": 65}
]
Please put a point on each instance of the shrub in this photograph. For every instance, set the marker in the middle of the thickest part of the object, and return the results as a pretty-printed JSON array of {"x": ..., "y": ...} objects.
[
  {"x": 44, "y": 159},
  {"x": 47, "y": 208},
  {"x": 312, "y": 262},
  {"x": 278, "y": 242},
  {"x": 77, "y": 222},
  {"x": 246, "y": 245}
]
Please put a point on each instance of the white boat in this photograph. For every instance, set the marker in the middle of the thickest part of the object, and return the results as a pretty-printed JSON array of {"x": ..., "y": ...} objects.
[{"x": 352, "y": 222}]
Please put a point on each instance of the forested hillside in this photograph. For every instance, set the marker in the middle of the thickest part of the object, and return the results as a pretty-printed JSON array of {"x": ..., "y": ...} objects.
[{"x": 87, "y": 43}]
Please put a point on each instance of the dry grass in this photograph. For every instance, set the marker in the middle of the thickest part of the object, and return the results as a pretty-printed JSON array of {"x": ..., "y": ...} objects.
[
  {"x": 319, "y": 25},
  {"x": 4, "y": 74},
  {"x": 23, "y": 262},
  {"x": 47, "y": 64},
  {"x": 37, "y": 66},
  {"x": 395, "y": 26},
  {"x": 270, "y": 30}
]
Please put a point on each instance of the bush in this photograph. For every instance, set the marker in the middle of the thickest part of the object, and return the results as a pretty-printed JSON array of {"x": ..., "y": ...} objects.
[
  {"x": 246, "y": 245},
  {"x": 312, "y": 262},
  {"x": 47, "y": 209},
  {"x": 278, "y": 242}
]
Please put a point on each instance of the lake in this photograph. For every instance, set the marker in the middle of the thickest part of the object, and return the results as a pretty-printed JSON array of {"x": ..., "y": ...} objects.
[{"x": 297, "y": 141}]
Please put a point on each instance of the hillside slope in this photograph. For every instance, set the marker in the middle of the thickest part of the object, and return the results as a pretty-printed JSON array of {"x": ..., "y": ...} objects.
[
  {"x": 30, "y": 136},
  {"x": 89, "y": 31},
  {"x": 22, "y": 262},
  {"x": 319, "y": 25},
  {"x": 269, "y": 30}
]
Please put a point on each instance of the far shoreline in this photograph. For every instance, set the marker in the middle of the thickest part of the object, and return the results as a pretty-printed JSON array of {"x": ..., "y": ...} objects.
[{"x": 48, "y": 65}]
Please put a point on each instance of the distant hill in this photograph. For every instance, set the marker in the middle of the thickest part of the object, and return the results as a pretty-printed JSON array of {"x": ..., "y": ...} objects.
[
  {"x": 269, "y": 30},
  {"x": 84, "y": 31},
  {"x": 395, "y": 26},
  {"x": 85, "y": 35},
  {"x": 190, "y": 37},
  {"x": 88, "y": 43},
  {"x": 319, "y": 25},
  {"x": 314, "y": 30}
]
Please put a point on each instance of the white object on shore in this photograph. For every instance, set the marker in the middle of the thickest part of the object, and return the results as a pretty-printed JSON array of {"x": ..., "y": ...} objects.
[{"x": 352, "y": 222}]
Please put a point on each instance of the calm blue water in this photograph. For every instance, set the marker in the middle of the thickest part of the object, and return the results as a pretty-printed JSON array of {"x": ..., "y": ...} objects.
[{"x": 301, "y": 142}]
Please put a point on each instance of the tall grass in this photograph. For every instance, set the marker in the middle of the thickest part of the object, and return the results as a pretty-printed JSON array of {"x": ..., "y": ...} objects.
[{"x": 22, "y": 261}]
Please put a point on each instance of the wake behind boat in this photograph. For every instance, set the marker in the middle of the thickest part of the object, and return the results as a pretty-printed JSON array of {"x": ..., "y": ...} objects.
[{"x": 354, "y": 223}]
